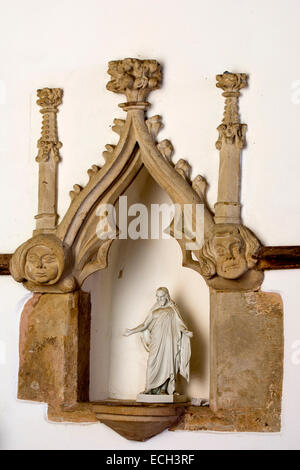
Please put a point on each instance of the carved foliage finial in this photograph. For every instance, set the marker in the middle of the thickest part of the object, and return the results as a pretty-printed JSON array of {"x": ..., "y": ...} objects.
[
  {"x": 134, "y": 77},
  {"x": 231, "y": 82},
  {"x": 49, "y": 97},
  {"x": 231, "y": 130},
  {"x": 48, "y": 145}
]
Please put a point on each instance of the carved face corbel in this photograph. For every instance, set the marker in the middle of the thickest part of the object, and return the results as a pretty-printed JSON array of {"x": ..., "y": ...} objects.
[
  {"x": 228, "y": 257},
  {"x": 41, "y": 264}
]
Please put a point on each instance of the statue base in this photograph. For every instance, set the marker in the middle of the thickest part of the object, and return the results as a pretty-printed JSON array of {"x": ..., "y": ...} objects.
[{"x": 148, "y": 398}]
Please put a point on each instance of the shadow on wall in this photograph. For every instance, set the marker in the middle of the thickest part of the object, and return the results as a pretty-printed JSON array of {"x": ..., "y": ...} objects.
[
  {"x": 199, "y": 347},
  {"x": 100, "y": 287}
]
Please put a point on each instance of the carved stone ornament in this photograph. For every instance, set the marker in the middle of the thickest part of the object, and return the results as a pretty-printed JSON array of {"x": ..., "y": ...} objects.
[
  {"x": 136, "y": 78},
  {"x": 41, "y": 263},
  {"x": 246, "y": 327},
  {"x": 229, "y": 254}
]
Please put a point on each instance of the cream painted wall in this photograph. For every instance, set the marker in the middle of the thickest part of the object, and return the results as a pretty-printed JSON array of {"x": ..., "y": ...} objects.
[{"x": 67, "y": 43}]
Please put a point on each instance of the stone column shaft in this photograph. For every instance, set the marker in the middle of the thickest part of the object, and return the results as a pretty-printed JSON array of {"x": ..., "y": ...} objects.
[
  {"x": 48, "y": 158},
  {"x": 230, "y": 143}
]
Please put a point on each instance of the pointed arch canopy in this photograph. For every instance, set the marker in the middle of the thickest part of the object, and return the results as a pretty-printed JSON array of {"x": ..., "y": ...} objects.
[{"x": 86, "y": 252}]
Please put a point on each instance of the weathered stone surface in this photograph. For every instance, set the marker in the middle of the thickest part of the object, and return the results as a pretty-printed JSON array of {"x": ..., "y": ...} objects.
[
  {"x": 228, "y": 258},
  {"x": 79, "y": 413},
  {"x": 54, "y": 348},
  {"x": 246, "y": 347},
  {"x": 230, "y": 142},
  {"x": 198, "y": 418},
  {"x": 132, "y": 420},
  {"x": 139, "y": 421}
]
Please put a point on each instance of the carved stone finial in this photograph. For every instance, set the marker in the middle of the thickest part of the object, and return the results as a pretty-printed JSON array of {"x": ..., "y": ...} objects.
[
  {"x": 134, "y": 78},
  {"x": 49, "y": 97},
  {"x": 231, "y": 82},
  {"x": 230, "y": 142},
  {"x": 231, "y": 130},
  {"x": 48, "y": 144},
  {"x": 48, "y": 157}
]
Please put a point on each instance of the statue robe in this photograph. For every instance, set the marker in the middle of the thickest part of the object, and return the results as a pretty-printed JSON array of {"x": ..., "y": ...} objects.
[{"x": 168, "y": 346}]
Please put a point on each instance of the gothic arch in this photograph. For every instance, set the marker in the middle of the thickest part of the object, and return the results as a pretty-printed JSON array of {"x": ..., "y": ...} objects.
[{"x": 84, "y": 251}]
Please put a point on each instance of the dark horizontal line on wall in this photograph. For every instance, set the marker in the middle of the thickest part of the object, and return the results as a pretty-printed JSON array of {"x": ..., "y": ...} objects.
[
  {"x": 279, "y": 257},
  {"x": 4, "y": 263},
  {"x": 269, "y": 257}
]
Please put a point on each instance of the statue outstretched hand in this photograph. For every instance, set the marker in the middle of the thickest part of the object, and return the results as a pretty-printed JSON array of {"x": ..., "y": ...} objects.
[
  {"x": 188, "y": 333},
  {"x": 127, "y": 332}
]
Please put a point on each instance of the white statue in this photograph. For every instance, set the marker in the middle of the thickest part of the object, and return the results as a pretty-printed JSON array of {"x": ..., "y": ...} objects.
[{"x": 167, "y": 340}]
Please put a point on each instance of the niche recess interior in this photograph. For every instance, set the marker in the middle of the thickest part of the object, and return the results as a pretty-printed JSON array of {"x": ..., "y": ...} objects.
[{"x": 246, "y": 324}]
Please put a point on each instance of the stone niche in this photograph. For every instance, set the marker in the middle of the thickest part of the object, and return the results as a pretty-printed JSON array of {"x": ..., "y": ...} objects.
[{"x": 246, "y": 324}]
